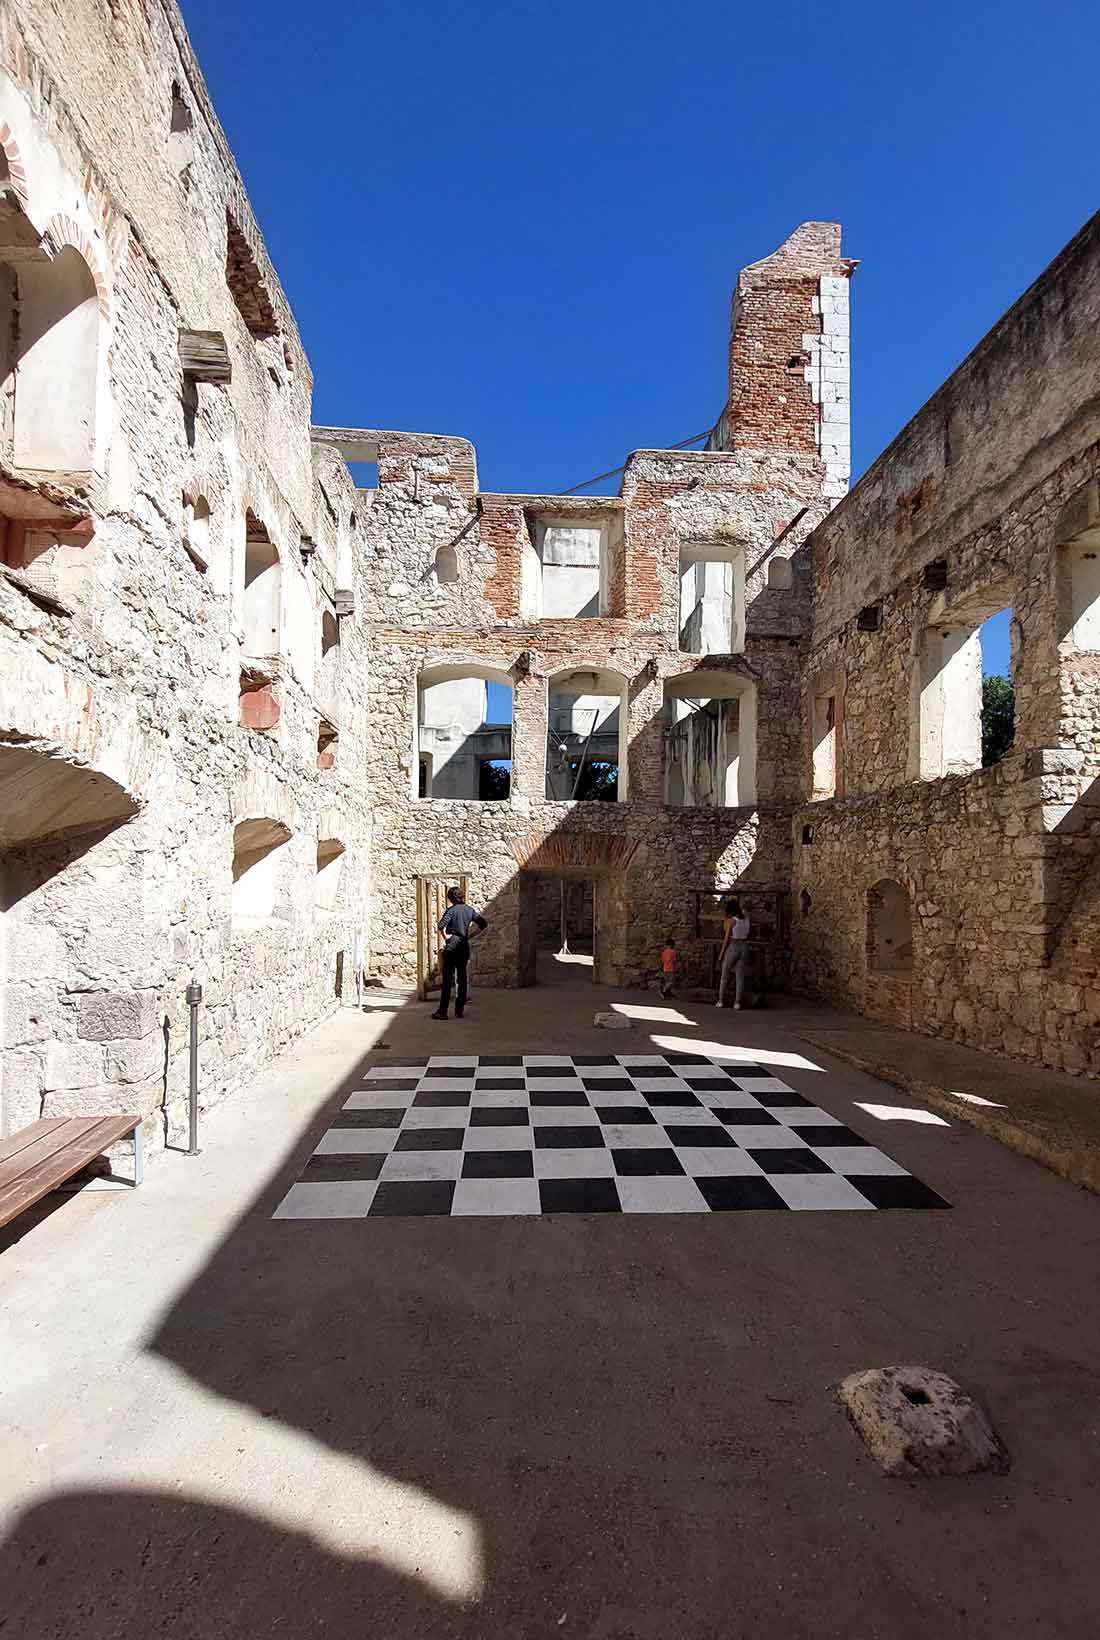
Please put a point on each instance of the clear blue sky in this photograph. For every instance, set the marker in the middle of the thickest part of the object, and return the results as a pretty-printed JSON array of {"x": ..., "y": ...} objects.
[{"x": 522, "y": 223}]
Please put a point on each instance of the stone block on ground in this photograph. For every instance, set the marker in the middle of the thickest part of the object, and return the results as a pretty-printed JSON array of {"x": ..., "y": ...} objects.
[
  {"x": 612, "y": 1022},
  {"x": 917, "y": 1421}
]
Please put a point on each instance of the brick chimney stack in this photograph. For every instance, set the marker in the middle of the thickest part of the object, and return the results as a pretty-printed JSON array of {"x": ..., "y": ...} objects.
[{"x": 789, "y": 355}]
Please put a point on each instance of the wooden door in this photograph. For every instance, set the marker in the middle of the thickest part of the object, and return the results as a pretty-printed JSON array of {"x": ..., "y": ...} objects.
[{"x": 431, "y": 903}]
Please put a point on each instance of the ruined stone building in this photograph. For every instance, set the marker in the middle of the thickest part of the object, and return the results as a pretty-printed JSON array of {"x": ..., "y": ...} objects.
[{"x": 252, "y": 717}]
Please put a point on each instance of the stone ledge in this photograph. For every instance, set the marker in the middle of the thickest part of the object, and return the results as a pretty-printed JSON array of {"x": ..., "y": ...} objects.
[{"x": 1045, "y": 1115}]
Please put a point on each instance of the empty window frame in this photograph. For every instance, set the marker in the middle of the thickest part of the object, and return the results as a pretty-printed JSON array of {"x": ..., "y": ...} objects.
[
  {"x": 948, "y": 694},
  {"x": 1078, "y": 537},
  {"x": 259, "y": 850},
  {"x": 330, "y": 865},
  {"x": 826, "y": 749},
  {"x": 196, "y": 530},
  {"x": 329, "y": 676},
  {"x": 586, "y": 736},
  {"x": 262, "y": 590},
  {"x": 565, "y": 571},
  {"x": 464, "y": 734},
  {"x": 710, "y": 740},
  {"x": 712, "y": 598},
  {"x": 49, "y": 354}
]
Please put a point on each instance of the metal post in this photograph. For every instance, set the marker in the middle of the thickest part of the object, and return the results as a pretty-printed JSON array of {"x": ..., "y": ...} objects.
[
  {"x": 564, "y": 952},
  {"x": 194, "y": 997}
]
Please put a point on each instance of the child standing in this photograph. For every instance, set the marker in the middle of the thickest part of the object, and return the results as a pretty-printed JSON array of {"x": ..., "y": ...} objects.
[{"x": 668, "y": 967}]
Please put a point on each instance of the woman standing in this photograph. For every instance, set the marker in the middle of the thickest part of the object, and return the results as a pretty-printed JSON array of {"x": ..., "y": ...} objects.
[{"x": 734, "y": 953}]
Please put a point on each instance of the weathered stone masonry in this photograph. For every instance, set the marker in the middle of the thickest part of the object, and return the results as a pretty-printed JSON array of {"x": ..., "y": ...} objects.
[
  {"x": 149, "y": 755},
  {"x": 987, "y": 499},
  {"x": 751, "y": 505}
]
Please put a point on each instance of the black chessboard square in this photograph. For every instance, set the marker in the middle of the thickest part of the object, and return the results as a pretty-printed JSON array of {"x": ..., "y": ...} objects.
[
  {"x": 399, "y": 1198},
  {"x": 568, "y": 1138},
  {"x": 430, "y": 1139},
  {"x": 335, "y": 1169},
  {"x": 498, "y": 1164},
  {"x": 898, "y": 1192},
  {"x": 739, "y": 1194},
  {"x": 646, "y": 1163},
  {"x": 579, "y": 1196},
  {"x": 697, "y": 1135},
  {"x": 788, "y": 1161},
  {"x": 500, "y": 1116}
]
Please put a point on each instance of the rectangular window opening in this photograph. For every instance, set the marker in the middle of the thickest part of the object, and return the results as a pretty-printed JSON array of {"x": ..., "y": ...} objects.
[
  {"x": 825, "y": 747},
  {"x": 712, "y": 600},
  {"x": 464, "y": 740},
  {"x": 964, "y": 695}
]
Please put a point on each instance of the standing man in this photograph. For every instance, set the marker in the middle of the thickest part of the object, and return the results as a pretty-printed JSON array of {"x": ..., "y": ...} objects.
[{"x": 459, "y": 924}]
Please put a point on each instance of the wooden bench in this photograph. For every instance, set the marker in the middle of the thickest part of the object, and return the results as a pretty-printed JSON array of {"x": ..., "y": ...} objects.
[{"x": 38, "y": 1158}]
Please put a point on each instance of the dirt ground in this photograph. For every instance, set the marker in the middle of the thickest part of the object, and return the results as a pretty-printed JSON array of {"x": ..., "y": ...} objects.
[{"x": 609, "y": 1427}]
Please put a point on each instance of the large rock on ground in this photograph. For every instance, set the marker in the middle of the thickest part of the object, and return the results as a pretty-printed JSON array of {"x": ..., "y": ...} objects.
[{"x": 916, "y": 1421}]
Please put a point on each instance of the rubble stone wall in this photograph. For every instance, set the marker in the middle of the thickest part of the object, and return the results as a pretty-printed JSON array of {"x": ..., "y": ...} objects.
[
  {"x": 987, "y": 485},
  {"x": 121, "y": 673}
]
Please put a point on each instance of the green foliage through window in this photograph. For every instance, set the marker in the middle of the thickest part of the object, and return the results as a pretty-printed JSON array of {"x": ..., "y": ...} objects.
[{"x": 998, "y": 719}]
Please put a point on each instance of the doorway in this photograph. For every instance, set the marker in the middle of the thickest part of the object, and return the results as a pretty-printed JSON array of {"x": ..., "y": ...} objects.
[
  {"x": 558, "y": 929},
  {"x": 431, "y": 903}
]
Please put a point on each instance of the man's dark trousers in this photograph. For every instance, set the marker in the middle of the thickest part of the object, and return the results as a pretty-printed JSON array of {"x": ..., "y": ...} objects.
[{"x": 455, "y": 964}]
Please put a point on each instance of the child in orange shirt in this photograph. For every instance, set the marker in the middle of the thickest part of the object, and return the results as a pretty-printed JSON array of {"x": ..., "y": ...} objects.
[{"x": 668, "y": 967}]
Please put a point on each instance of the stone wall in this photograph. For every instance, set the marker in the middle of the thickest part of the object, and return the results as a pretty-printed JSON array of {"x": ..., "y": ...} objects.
[
  {"x": 128, "y": 754},
  {"x": 976, "y": 506}
]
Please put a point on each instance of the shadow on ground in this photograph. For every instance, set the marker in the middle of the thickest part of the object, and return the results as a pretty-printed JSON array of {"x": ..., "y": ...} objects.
[{"x": 622, "y": 1428}]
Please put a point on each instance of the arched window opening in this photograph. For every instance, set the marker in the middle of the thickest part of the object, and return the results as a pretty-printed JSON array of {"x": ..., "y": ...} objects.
[
  {"x": 446, "y": 566},
  {"x": 586, "y": 737},
  {"x": 464, "y": 734},
  {"x": 196, "y": 530},
  {"x": 330, "y": 864},
  {"x": 49, "y": 319},
  {"x": 805, "y": 902},
  {"x": 712, "y": 598},
  {"x": 780, "y": 575},
  {"x": 262, "y": 588},
  {"x": 889, "y": 929},
  {"x": 258, "y": 855},
  {"x": 329, "y": 679},
  {"x": 710, "y": 740}
]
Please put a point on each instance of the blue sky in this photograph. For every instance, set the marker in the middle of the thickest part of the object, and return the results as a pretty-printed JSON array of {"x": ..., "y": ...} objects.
[{"x": 522, "y": 223}]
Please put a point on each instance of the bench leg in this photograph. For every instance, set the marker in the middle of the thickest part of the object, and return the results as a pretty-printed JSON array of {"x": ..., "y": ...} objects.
[{"x": 139, "y": 1155}]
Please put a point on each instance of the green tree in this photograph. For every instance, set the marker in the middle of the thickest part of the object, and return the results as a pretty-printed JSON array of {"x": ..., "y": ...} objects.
[
  {"x": 998, "y": 719},
  {"x": 495, "y": 780},
  {"x": 599, "y": 781}
]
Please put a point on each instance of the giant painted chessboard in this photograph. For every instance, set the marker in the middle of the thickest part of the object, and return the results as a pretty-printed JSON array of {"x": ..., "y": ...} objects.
[{"x": 588, "y": 1133}]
